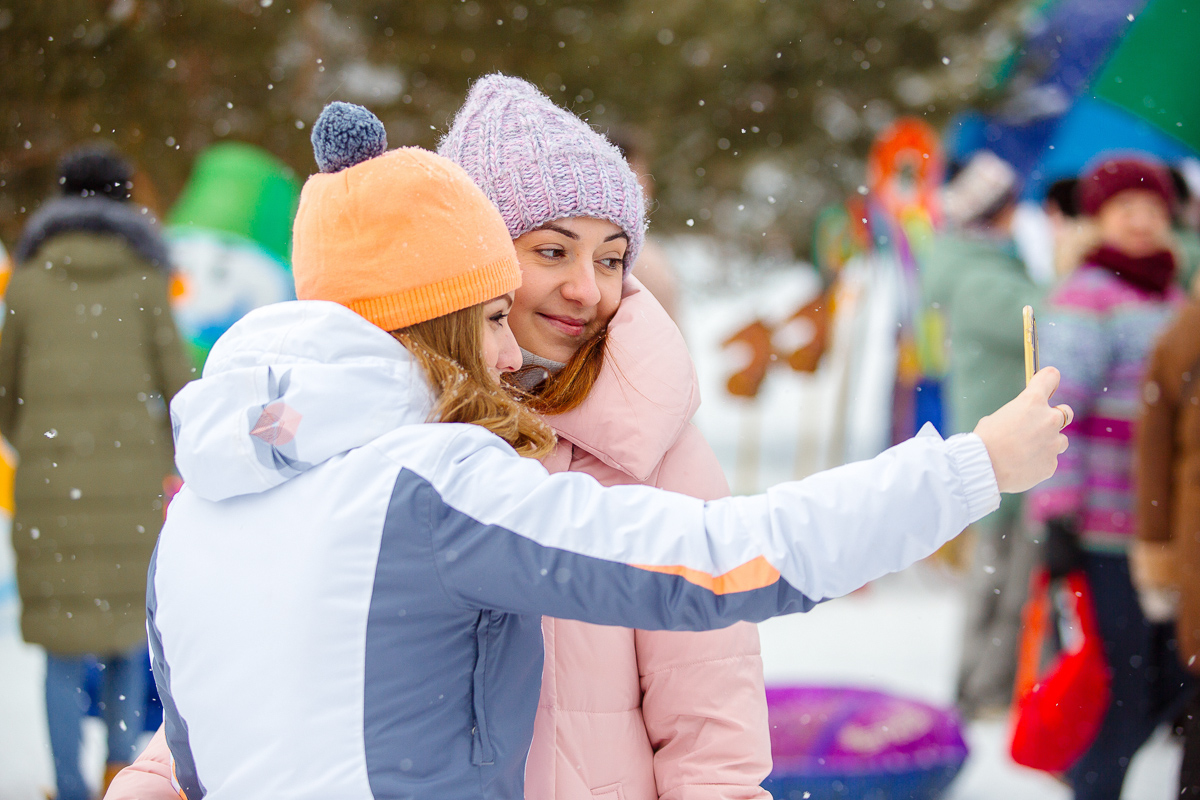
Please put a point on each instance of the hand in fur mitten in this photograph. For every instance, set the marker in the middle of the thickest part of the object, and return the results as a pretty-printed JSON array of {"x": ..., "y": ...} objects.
[{"x": 1159, "y": 605}]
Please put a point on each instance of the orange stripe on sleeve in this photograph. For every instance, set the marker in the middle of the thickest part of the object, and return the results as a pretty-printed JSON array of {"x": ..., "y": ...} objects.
[
  {"x": 175, "y": 781},
  {"x": 755, "y": 574}
]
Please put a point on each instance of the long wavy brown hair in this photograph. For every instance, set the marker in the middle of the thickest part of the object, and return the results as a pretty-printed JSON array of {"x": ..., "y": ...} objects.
[
  {"x": 450, "y": 349},
  {"x": 567, "y": 388}
]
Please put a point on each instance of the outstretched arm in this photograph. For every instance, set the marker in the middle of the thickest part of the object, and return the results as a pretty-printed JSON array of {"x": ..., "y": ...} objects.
[{"x": 507, "y": 536}]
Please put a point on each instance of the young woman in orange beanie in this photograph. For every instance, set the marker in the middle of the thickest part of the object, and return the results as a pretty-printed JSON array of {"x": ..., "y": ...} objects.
[{"x": 346, "y": 597}]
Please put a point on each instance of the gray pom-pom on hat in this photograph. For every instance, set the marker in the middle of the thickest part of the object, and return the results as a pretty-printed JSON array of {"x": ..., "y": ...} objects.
[{"x": 345, "y": 135}]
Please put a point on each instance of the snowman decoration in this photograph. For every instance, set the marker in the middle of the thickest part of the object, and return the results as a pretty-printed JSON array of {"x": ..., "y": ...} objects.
[
  {"x": 230, "y": 240},
  {"x": 218, "y": 279}
]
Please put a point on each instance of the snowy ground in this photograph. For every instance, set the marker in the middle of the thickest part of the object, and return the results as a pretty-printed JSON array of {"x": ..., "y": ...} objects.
[{"x": 900, "y": 634}]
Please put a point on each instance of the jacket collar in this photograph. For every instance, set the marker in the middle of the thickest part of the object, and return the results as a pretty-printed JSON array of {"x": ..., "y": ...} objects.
[
  {"x": 646, "y": 394},
  {"x": 93, "y": 215}
]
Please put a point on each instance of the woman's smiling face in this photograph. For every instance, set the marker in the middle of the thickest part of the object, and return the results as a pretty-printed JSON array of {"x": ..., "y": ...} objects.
[{"x": 571, "y": 271}]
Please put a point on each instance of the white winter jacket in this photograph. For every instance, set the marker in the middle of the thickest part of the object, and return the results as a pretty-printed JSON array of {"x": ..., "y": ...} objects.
[{"x": 345, "y": 598}]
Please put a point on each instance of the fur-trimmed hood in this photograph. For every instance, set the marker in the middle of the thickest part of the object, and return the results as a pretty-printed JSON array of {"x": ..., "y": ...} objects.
[{"x": 93, "y": 215}]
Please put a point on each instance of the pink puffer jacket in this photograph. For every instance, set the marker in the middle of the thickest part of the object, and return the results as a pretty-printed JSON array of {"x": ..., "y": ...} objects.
[
  {"x": 624, "y": 714},
  {"x": 640, "y": 715}
]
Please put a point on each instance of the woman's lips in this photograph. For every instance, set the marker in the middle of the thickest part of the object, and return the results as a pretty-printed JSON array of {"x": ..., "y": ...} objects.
[{"x": 568, "y": 325}]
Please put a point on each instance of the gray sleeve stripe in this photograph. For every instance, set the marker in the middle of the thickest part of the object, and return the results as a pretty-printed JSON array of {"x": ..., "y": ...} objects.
[{"x": 492, "y": 567}]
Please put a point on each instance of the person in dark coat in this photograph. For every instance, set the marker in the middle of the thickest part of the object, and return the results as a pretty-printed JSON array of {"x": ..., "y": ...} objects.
[{"x": 89, "y": 357}]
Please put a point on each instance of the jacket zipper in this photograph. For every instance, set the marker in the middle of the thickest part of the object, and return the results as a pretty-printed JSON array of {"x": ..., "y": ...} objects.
[{"x": 481, "y": 745}]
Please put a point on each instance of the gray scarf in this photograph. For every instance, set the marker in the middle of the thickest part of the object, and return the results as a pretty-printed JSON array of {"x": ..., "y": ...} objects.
[{"x": 535, "y": 370}]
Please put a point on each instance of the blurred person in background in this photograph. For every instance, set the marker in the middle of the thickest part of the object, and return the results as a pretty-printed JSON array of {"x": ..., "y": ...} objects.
[
  {"x": 1187, "y": 224},
  {"x": 653, "y": 268},
  {"x": 1099, "y": 329},
  {"x": 1189, "y": 212},
  {"x": 974, "y": 273},
  {"x": 1074, "y": 234},
  {"x": 1165, "y": 557},
  {"x": 89, "y": 356}
]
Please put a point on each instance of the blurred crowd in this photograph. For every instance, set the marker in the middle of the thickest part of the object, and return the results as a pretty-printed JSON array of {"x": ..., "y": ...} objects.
[{"x": 1120, "y": 318}]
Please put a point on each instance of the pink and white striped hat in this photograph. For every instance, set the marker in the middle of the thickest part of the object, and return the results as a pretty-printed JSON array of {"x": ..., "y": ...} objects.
[{"x": 538, "y": 162}]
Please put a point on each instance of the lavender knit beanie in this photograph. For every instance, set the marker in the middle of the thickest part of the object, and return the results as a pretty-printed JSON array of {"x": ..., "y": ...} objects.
[{"x": 538, "y": 162}]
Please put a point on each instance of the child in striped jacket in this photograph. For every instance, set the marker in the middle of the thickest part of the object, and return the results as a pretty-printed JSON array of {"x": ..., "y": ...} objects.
[{"x": 1100, "y": 328}]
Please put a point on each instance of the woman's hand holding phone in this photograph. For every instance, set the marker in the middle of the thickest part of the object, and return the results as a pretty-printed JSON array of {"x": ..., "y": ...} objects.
[{"x": 1024, "y": 437}]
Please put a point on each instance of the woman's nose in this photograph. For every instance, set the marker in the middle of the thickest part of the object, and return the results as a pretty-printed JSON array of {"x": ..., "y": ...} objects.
[
  {"x": 581, "y": 287},
  {"x": 510, "y": 353}
]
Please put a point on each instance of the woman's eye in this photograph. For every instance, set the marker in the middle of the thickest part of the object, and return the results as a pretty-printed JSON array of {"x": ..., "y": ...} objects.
[
  {"x": 549, "y": 252},
  {"x": 500, "y": 317},
  {"x": 613, "y": 263}
]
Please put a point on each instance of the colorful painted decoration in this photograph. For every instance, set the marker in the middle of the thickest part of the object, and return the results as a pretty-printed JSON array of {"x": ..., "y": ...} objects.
[{"x": 905, "y": 171}]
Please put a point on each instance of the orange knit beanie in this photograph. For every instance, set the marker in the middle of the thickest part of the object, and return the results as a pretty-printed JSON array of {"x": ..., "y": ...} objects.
[{"x": 398, "y": 237}]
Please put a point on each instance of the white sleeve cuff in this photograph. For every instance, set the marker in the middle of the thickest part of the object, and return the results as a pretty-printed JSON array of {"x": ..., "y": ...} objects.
[{"x": 974, "y": 468}]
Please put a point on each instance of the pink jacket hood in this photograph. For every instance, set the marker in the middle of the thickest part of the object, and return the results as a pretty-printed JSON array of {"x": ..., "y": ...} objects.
[
  {"x": 646, "y": 715},
  {"x": 645, "y": 397}
]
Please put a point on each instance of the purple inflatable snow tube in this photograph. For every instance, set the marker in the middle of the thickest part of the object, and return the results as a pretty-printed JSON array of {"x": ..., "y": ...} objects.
[{"x": 833, "y": 743}]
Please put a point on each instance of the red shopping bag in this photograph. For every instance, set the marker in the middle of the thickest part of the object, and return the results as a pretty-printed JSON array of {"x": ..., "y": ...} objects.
[{"x": 1056, "y": 716}]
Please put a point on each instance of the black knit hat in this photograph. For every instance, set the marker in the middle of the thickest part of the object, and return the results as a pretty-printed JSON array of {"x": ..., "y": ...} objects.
[{"x": 95, "y": 170}]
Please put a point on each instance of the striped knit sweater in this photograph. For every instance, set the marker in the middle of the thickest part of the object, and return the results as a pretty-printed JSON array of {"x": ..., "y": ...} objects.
[{"x": 1099, "y": 331}]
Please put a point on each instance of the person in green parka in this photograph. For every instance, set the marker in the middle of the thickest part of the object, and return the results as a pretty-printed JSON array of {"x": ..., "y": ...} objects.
[
  {"x": 974, "y": 275},
  {"x": 89, "y": 358}
]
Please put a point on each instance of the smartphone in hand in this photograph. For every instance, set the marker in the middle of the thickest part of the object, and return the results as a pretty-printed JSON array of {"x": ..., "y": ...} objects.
[{"x": 1032, "y": 359}]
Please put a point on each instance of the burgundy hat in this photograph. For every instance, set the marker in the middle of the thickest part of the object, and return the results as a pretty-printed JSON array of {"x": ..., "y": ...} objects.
[{"x": 1114, "y": 175}]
